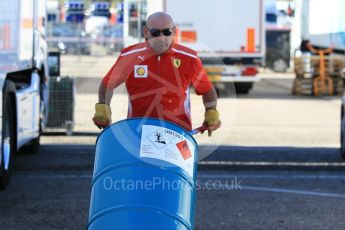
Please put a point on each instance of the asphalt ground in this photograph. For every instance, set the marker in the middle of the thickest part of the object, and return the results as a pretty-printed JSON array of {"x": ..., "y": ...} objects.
[{"x": 51, "y": 190}]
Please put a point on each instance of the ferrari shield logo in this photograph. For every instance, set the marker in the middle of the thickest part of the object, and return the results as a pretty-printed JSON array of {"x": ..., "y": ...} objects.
[{"x": 177, "y": 62}]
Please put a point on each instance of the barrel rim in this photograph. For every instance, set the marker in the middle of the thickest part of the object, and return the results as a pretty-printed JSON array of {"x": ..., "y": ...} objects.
[{"x": 120, "y": 208}]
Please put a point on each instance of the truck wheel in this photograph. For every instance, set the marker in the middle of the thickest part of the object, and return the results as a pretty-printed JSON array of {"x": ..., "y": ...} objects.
[
  {"x": 224, "y": 89},
  {"x": 243, "y": 87},
  {"x": 8, "y": 141},
  {"x": 280, "y": 65}
]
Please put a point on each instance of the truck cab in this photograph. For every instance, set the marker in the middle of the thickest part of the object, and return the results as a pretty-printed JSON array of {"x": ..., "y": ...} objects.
[{"x": 23, "y": 79}]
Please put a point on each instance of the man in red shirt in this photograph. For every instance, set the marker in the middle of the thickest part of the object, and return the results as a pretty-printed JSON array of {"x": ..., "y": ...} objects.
[{"x": 157, "y": 74}]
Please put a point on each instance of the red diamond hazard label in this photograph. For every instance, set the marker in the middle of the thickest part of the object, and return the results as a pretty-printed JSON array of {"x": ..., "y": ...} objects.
[{"x": 184, "y": 149}]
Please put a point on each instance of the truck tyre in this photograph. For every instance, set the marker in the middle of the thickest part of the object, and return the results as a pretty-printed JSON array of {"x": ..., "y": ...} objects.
[
  {"x": 243, "y": 87},
  {"x": 280, "y": 65},
  {"x": 225, "y": 89},
  {"x": 8, "y": 140}
]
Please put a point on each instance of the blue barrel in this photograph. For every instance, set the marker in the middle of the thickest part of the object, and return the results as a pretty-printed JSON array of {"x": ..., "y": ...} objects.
[{"x": 144, "y": 177}]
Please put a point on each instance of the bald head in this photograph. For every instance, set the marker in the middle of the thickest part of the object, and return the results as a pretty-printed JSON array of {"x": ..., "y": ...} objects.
[
  {"x": 161, "y": 17},
  {"x": 155, "y": 25}
]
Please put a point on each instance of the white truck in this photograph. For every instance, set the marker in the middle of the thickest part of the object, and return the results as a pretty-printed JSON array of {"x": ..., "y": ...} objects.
[
  {"x": 229, "y": 35},
  {"x": 322, "y": 23},
  {"x": 23, "y": 79}
]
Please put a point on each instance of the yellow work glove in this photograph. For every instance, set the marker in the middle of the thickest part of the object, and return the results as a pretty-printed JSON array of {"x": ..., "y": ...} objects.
[
  {"x": 211, "y": 120},
  {"x": 102, "y": 117}
]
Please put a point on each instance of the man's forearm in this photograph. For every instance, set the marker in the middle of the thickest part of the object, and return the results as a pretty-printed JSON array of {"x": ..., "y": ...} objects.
[
  {"x": 210, "y": 99},
  {"x": 104, "y": 94}
]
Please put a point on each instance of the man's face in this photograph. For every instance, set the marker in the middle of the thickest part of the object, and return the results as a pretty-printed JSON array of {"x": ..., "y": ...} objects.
[{"x": 159, "y": 33}]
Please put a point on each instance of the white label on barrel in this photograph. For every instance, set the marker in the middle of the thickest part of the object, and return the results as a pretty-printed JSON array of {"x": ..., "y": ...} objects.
[{"x": 167, "y": 145}]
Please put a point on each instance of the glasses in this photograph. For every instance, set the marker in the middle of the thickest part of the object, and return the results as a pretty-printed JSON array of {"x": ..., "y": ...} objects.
[{"x": 157, "y": 32}]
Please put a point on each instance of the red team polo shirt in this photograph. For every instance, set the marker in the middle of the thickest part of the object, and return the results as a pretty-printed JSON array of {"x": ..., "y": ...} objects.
[{"x": 158, "y": 85}]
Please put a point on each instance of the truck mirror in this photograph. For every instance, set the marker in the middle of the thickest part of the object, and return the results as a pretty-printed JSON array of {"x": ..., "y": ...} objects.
[{"x": 54, "y": 63}]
